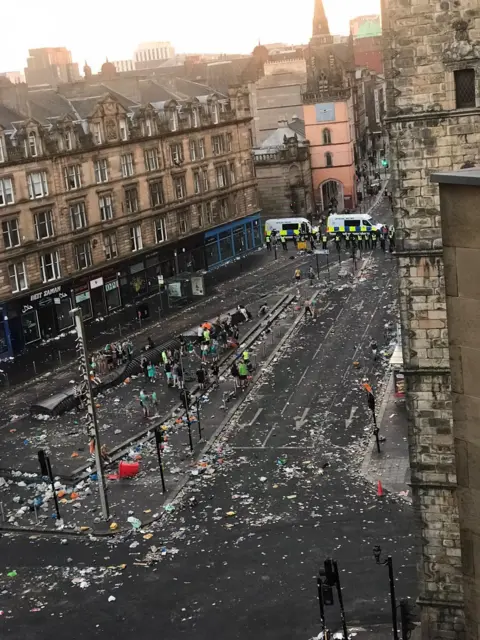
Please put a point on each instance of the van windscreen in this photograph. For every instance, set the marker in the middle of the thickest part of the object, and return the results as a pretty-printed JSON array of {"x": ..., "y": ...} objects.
[{"x": 290, "y": 226}]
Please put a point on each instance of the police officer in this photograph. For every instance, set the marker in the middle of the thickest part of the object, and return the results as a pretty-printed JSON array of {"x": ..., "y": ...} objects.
[
  {"x": 268, "y": 242},
  {"x": 373, "y": 237},
  {"x": 324, "y": 240},
  {"x": 367, "y": 241},
  {"x": 382, "y": 242},
  {"x": 348, "y": 239},
  {"x": 338, "y": 242},
  {"x": 283, "y": 242},
  {"x": 360, "y": 241},
  {"x": 391, "y": 237}
]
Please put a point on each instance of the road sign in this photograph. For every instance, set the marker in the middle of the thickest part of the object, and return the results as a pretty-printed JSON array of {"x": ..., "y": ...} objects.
[{"x": 322, "y": 252}]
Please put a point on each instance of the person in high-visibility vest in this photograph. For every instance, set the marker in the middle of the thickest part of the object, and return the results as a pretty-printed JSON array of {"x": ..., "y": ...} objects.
[
  {"x": 367, "y": 241},
  {"x": 283, "y": 242},
  {"x": 298, "y": 275},
  {"x": 360, "y": 241},
  {"x": 268, "y": 242},
  {"x": 348, "y": 238},
  {"x": 324, "y": 240}
]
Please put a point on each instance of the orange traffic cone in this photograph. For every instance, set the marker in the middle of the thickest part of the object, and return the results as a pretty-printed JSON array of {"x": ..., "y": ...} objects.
[{"x": 379, "y": 489}]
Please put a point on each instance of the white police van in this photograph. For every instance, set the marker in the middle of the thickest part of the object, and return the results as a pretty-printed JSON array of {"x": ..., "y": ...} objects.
[
  {"x": 351, "y": 222},
  {"x": 288, "y": 227}
]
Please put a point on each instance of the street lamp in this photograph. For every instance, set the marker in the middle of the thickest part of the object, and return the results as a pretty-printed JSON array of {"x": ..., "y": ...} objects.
[{"x": 377, "y": 553}]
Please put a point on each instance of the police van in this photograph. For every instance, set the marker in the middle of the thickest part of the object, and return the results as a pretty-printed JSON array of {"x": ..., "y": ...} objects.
[
  {"x": 351, "y": 222},
  {"x": 288, "y": 227}
]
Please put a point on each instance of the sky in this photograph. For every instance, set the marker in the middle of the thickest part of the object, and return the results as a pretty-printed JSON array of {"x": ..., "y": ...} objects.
[{"x": 96, "y": 29}]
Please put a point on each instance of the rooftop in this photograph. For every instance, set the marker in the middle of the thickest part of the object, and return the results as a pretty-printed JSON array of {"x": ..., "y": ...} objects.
[{"x": 467, "y": 177}]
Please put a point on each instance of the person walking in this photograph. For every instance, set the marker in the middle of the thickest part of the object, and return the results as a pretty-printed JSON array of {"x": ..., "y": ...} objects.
[
  {"x": 201, "y": 377},
  {"x": 180, "y": 376},
  {"x": 144, "y": 365},
  {"x": 144, "y": 403},
  {"x": 169, "y": 374},
  {"x": 215, "y": 373},
  {"x": 308, "y": 308},
  {"x": 235, "y": 375},
  {"x": 298, "y": 274},
  {"x": 311, "y": 276},
  {"x": 242, "y": 374},
  {"x": 154, "y": 400},
  {"x": 151, "y": 372}
]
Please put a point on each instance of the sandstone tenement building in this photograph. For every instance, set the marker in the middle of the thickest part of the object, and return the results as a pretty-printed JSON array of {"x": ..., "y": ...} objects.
[
  {"x": 99, "y": 196},
  {"x": 432, "y": 67}
]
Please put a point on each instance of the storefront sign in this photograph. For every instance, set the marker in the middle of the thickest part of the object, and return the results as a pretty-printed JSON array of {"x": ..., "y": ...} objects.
[
  {"x": 80, "y": 297},
  {"x": 161, "y": 280},
  {"x": 26, "y": 308},
  {"x": 110, "y": 286},
  {"x": 198, "y": 286},
  {"x": 45, "y": 294},
  {"x": 98, "y": 282}
]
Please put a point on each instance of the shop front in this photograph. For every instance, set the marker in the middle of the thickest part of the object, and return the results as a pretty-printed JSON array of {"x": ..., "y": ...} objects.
[
  {"x": 232, "y": 240},
  {"x": 5, "y": 339}
]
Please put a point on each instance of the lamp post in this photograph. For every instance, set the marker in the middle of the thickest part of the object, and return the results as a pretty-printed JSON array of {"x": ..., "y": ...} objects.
[{"x": 92, "y": 425}]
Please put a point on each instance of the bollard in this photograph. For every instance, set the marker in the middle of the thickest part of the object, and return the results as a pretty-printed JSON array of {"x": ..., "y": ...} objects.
[
  {"x": 34, "y": 368},
  {"x": 60, "y": 357}
]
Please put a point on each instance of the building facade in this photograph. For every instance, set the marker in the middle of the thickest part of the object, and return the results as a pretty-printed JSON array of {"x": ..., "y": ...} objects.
[
  {"x": 94, "y": 209},
  {"x": 432, "y": 66},
  {"x": 148, "y": 54},
  {"x": 459, "y": 197},
  {"x": 367, "y": 43},
  {"x": 282, "y": 166},
  {"x": 123, "y": 65},
  {"x": 50, "y": 66}
]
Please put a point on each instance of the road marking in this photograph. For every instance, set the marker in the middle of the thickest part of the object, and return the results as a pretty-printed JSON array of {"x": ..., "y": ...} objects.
[
  {"x": 287, "y": 402},
  {"x": 279, "y": 448},
  {"x": 348, "y": 421},
  {"x": 268, "y": 436},
  {"x": 303, "y": 375},
  {"x": 299, "y": 422},
  {"x": 342, "y": 308},
  {"x": 254, "y": 419}
]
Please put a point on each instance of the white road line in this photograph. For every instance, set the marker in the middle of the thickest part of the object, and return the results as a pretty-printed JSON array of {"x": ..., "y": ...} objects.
[
  {"x": 279, "y": 448},
  {"x": 268, "y": 436},
  {"x": 304, "y": 374},
  {"x": 299, "y": 422},
  {"x": 287, "y": 403},
  {"x": 254, "y": 419}
]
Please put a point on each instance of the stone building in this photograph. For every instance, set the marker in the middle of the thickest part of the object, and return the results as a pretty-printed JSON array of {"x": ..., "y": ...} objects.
[
  {"x": 459, "y": 198},
  {"x": 432, "y": 67},
  {"x": 51, "y": 66},
  {"x": 100, "y": 195},
  {"x": 328, "y": 112},
  {"x": 282, "y": 166}
]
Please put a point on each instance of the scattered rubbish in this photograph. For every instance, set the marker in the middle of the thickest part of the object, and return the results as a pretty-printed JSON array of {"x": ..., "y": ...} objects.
[
  {"x": 12, "y": 574},
  {"x": 379, "y": 489},
  {"x": 231, "y": 513},
  {"x": 111, "y": 598},
  {"x": 128, "y": 469},
  {"x": 135, "y": 522},
  {"x": 169, "y": 508},
  {"x": 113, "y": 526},
  {"x": 263, "y": 479},
  {"x": 148, "y": 536}
]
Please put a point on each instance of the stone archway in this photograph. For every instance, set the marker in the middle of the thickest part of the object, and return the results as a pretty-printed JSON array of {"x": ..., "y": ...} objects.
[{"x": 331, "y": 191}]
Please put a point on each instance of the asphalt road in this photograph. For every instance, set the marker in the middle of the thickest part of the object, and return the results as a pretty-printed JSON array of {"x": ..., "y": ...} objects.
[{"x": 242, "y": 562}]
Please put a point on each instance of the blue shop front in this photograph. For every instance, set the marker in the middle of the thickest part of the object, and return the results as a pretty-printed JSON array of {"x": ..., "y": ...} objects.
[{"x": 232, "y": 240}]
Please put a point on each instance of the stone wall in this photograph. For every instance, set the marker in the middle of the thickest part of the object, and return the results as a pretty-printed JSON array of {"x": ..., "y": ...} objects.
[{"x": 425, "y": 42}]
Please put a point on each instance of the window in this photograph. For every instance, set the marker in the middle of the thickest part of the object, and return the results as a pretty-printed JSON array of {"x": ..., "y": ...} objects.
[
  {"x": 18, "y": 278},
  {"x": 110, "y": 245},
  {"x": 221, "y": 175},
  {"x": 37, "y": 185},
  {"x": 183, "y": 223},
  {"x": 32, "y": 144},
  {"x": 201, "y": 149},
  {"x": 148, "y": 127},
  {"x": 215, "y": 113},
  {"x": 328, "y": 159},
  {"x": 176, "y": 153},
  {"x": 224, "y": 208},
  {"x": 67, "y": 140},
  {"x": 131, "y": 199},
  {"x": 83, "y": 255},
  {"x": 229, "y": 141},
  {"x": 195, "y": 118},
  {"x": 11, "y": 236},
  {"x": 197, "y": 187},
  {"x": 97, "y": 133},
  {"x": 151, "y": 159},
  {"x": 173, "y": 119},
  {"x": 2, "y": 150},
  {"x": 200, "y": 215},
  {"x": 327, "y": 136},
  {"x": 231, "y": 169},
  {"x": 44, "y": 225},
  {"x": 50, "y": 266},
  {"x": 208, "y": 213},
  {"x": 180, "y": 187},
  {"x": 101, "y": 171},
  {"x": 250, "y": 138},
  {"x": 123, "y": 129},
  {"x": 193, "y": 150},
  {"x": 206, "y": 183},
  {"x": 6, "y": 191},
  {"x": 160, "y": 230},
  {"x": 464, "y": 88},
  {"x": 126, "y": 162},
  {"x": 73, "y": 177},
  {"x": 218, "y": 145},
  {"x": 136, "y": 242},
  {"x": 156, "y": 193},
  {"x": 105, "y": 205},
  {"x": 78, "y": 216}
]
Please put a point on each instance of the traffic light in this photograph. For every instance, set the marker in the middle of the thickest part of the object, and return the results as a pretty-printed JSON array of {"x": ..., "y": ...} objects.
[
  {"x": 385, "y": 163},
  {"x": 407, "y": 618},
  {"x": 327, "y": 594}
]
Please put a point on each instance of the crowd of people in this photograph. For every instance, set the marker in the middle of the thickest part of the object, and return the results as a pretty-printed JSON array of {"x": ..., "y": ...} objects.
[{"x": 113, "y": 355}]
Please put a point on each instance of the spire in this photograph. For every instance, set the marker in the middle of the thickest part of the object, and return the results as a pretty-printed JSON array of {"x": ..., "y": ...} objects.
[{"x": 320, "y": 22}]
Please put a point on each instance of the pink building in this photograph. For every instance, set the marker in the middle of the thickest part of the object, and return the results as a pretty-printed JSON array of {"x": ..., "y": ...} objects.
[{"x": 329, "y": 127}]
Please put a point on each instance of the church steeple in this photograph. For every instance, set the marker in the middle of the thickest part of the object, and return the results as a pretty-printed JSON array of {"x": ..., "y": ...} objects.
[{"x": 320, "y": 22}]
